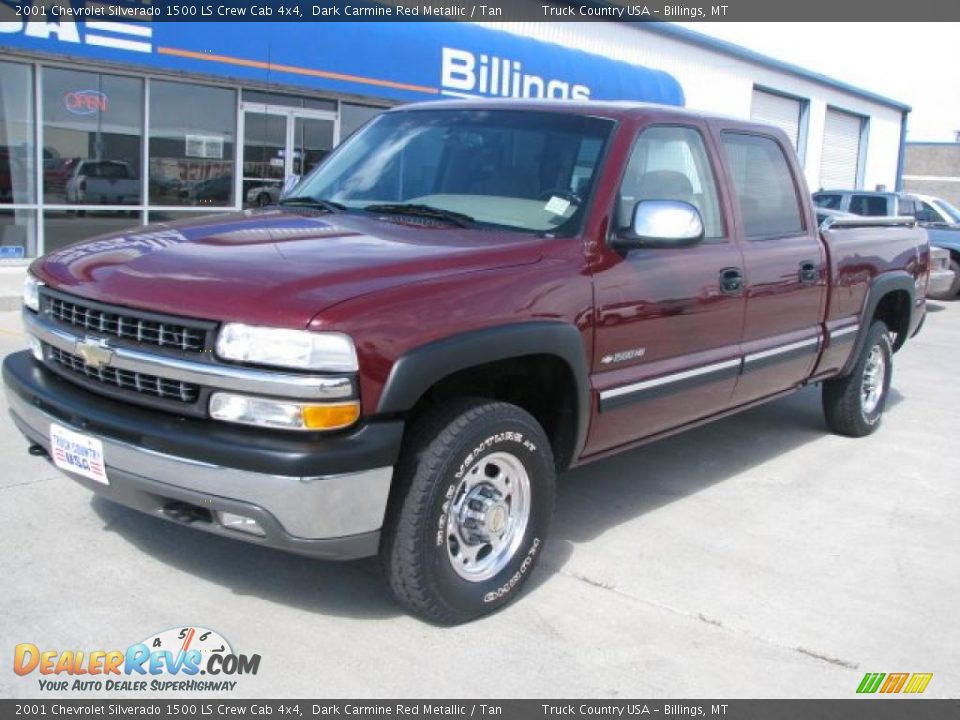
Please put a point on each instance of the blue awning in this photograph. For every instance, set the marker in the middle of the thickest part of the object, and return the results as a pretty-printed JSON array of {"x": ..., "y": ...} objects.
[{"x": 401, "y": 61}]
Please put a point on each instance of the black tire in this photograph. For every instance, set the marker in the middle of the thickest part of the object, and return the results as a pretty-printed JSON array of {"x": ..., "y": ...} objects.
[
  {"x": 263, "y": 200},
  {"x": 439, "y": 454},
  {"x": 843, "y": 400}
]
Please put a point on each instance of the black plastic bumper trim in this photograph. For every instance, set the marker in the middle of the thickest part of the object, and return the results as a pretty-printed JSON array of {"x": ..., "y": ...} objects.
[{"x": 371, "y": 445}]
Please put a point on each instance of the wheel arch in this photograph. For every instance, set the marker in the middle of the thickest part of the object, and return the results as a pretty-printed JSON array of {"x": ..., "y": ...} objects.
[
  {"x": 461, "y": 360},
  {"x": 891, "y": 299}
]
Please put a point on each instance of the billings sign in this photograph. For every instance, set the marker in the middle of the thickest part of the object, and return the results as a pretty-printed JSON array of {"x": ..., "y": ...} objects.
[{"x": 465, "y": 74}]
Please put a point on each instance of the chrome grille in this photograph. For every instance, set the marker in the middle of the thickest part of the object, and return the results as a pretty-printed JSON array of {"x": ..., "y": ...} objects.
[
  {"x": 126, "y": 380},
  {"x": 126, "y": 325}
]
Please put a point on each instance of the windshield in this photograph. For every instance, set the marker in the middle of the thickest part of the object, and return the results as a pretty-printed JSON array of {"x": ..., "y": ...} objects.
[
  {"x": 949, "y": 210},
  {"x": 527, "y": 171}
]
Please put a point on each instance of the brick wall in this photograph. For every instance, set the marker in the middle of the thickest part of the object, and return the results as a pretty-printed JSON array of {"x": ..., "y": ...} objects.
[{"x": 933, "y": 169}]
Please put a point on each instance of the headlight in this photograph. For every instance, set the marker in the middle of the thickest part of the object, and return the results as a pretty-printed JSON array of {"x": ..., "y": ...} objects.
[
  {"x": 31, "y": 292},
  {"x": 301, "y": 349},
  {"x": 283, "y": 414}
]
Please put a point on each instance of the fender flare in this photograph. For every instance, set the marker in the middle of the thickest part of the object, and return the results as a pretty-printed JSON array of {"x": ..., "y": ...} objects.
[
  {"x": 416, "y": 371},
  {"x": 881, "y": 286}
]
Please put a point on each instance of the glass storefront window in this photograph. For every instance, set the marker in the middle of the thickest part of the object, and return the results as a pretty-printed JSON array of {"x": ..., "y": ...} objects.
[
  {"x": 18, "y": 234},
  {"x": 352, "y": 117},
  {"x": 92, "y": 134},
  {"x": 192, "y": 135},
  {"x": 264, "y": 145},
  {"x": 312, "y": 142},
  {"x": 17, "y": 180},
  {"x": 65, "y": 227},
  {"x": 85, "y": 153},
  {"x": 295, "y": 101}
]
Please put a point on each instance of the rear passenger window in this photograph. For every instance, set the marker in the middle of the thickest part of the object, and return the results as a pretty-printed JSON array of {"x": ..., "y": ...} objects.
[
  {"x": 763, "y": 184},
  {"x": 671, "y": 163},
  {"x": 872, "y": 205}
]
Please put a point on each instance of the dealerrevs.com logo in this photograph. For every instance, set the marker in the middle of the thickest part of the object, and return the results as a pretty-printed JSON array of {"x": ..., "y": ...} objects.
[{"x": 178, "y": 660}]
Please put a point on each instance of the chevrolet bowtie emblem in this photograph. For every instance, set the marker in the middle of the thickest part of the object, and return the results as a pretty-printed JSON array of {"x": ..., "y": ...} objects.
[{"x": 95, "y": 353}]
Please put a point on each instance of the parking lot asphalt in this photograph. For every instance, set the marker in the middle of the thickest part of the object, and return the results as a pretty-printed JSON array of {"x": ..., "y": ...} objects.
[{"x": 755, "y": 557}]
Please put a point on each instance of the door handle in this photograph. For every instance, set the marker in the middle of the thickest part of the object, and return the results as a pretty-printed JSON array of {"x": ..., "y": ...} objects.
[
  {"x": 808, "y": 272},
  {"x": 731, "y": 281}
]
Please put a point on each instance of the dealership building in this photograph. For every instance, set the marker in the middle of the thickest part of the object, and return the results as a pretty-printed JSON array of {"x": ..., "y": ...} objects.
[{"x": 107, "y": 124}]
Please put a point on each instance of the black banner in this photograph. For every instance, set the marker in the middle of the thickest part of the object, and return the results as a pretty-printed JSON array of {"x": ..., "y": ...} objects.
[
  {"x": 485, "y": 10},
  {"x": 860, "y": 709}
]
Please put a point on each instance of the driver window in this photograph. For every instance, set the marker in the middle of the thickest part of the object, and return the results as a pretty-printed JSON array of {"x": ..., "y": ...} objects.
[{"x": 670, "y": 163}]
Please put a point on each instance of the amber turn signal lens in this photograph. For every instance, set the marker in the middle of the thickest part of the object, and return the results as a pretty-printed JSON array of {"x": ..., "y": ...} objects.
[
  {"x": 283, "y": 414},
  {"x": 330, "y": 417}
]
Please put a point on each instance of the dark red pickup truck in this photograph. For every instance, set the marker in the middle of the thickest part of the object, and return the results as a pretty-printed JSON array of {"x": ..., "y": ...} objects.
[{"x": 464, "y": 300}]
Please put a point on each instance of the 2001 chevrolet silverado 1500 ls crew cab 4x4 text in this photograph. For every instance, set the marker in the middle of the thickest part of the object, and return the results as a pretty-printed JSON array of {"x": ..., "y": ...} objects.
[{"x": 462, "y": 301}]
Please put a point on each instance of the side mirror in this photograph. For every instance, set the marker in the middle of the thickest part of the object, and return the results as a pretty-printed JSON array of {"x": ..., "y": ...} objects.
[
  {"x": 288, "y": 185},
  {"x": 661, "y": 224}
]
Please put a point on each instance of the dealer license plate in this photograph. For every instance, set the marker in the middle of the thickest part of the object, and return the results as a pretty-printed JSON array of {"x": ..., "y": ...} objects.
[{"x": 78, "y": 453}]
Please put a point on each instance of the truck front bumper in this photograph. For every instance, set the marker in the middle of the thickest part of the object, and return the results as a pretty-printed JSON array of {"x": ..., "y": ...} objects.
[{"x": 323, "y": 496}]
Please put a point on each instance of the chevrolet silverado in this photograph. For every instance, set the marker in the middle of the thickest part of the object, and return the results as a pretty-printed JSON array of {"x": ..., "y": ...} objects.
[{"x": 464, "y": 300}]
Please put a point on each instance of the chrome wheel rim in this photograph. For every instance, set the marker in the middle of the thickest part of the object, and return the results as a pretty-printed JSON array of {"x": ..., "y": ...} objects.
[
  {"x": 874, "y": 375},
  {"x": 488, "y": 516}
]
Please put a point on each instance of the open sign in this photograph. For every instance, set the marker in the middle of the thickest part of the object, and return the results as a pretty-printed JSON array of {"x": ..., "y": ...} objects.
[{"x": 85, "y": 102}]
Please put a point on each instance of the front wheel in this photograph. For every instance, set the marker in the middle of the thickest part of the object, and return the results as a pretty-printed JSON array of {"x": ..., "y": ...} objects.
[
  {"x": 474, "y": 502},
  {"x": 853, "y": 405}
]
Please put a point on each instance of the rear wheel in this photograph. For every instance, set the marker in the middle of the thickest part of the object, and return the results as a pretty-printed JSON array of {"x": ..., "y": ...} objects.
[
  {"x": 853, "y": 405},
  {"x": 471, "y": 513}
]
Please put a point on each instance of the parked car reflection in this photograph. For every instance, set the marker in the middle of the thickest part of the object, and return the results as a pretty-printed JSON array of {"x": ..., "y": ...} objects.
[
  {"x": 214, "y": 191},
  {"x": 102, "y": 182},
  {"x": 262, "y": 195}
]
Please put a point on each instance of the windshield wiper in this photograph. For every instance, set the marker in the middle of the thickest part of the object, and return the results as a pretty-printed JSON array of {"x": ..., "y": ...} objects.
[
  {"x": 328, "y": 205},
  {"x": 454, "y": 218}
]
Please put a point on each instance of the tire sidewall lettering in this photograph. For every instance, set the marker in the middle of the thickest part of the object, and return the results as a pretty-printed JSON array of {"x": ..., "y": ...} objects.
[
  {"x": 496, "y": 589},
  {"x": 487, "y": 444},
  {"x": 515, "y": 579}
]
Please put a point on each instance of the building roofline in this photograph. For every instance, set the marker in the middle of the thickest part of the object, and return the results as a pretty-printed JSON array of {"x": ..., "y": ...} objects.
[
  {"x": 741, "y": 53},
  {"x": 935, "y": 143}
]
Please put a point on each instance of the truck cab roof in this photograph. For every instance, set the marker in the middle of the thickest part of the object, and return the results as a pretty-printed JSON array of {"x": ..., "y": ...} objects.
[{"x": 613, "y": 109}]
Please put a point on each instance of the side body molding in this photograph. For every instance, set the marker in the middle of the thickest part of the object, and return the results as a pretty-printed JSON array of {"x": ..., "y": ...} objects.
[{"x": 416, "y": 371}]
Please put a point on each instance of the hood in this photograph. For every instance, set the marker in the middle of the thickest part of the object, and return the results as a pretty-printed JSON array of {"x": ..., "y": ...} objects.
[{"x": 272, "y": 267}]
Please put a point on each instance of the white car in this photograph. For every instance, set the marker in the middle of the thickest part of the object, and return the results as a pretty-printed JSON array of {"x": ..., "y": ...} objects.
[
  {"x": 263, "y": 195},
  {"x": 942, "y": 276}
]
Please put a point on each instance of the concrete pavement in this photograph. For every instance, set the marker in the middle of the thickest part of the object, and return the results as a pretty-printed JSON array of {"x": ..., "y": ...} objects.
[
  {"x": 757, "y": 557},
  {"x": 11, "y": 286}
]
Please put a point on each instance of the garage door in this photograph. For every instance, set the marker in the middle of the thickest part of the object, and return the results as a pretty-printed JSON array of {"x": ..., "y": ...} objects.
[
  {"x": 784, "y": 112},
  {"x": 841, "y": 150}
]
